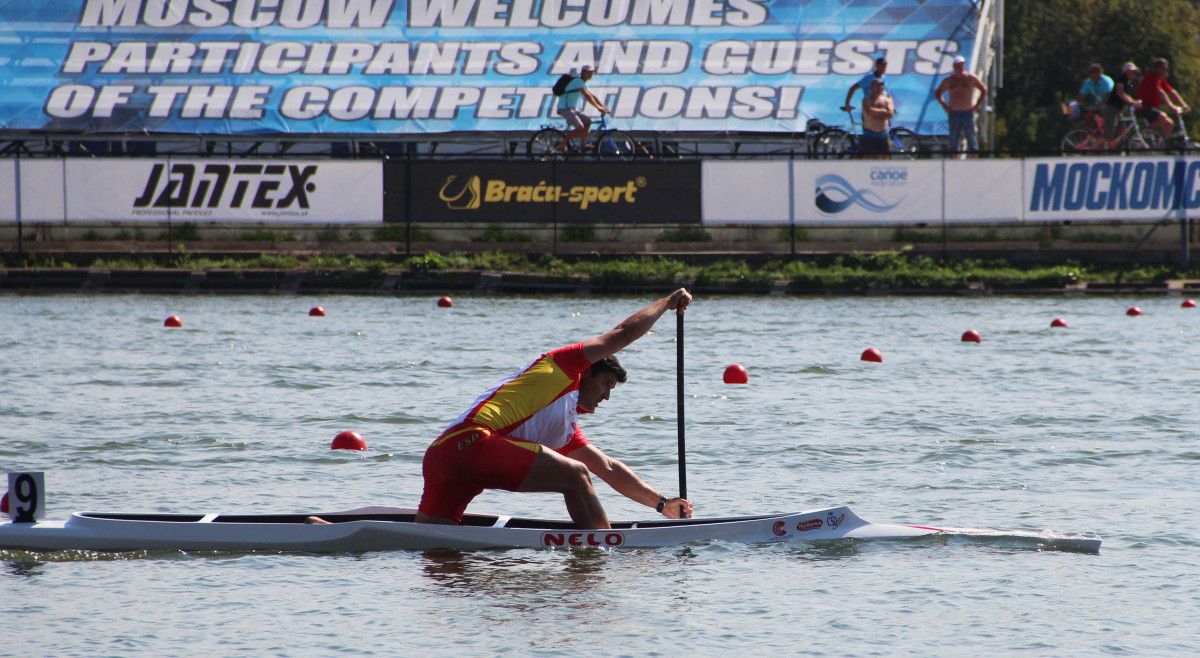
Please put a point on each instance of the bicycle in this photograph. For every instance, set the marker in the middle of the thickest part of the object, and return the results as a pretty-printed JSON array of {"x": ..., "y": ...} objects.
[
  {"x": 606, "y": 143},
  {"x": 1180, "y": 139},
  {"x": 834, "y": 142},
  {"x": 1130, "y": 136}
]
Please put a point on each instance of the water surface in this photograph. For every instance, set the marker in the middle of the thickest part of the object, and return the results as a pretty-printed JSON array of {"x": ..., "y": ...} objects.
[{"x": 1092, "y": 428}]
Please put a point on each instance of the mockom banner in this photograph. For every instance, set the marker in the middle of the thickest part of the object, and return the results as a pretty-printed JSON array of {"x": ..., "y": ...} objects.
[{"x": 431, "y": 66}]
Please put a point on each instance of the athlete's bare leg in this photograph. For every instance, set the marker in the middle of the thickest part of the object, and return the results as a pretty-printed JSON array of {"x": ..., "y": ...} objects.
[{"x": 553, "y": 472}]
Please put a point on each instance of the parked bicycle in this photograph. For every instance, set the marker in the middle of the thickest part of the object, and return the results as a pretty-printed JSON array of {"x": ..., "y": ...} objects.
[
  {"x": 1131, "y": 136},
  {"x": 605, "y": 143},
  {"x": 833, "y": 142}
]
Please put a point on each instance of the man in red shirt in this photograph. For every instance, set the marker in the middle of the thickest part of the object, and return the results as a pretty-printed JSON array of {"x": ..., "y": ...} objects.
[
  {"x": 521, "y": 435},
  {"x": 1154, "y": 92}
]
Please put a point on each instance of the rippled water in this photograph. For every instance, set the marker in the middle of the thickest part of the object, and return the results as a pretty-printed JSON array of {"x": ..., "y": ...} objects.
[{"x": 1092, "y": 428}]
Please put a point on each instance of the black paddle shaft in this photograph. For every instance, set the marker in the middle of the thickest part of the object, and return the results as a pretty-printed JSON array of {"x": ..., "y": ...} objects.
[{"x": 679, "y": 403}]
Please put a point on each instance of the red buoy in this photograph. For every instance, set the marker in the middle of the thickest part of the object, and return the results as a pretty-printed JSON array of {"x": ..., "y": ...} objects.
[
  {"x": 736, "y": 374},
  {"x": 348, "y": 441},
  {"x": 971, "y": 336},
  {"x": 316, "y": 312},
  {"x": 4, "y": 503},
  {"x": 1059, "y": 323},
  {"x": 445, "y": 302},
  {"x": 173, "y": 322},
  {"x": 873, "y": 355},
  {"x": 1133, "y": 311},
  {"x": 1188, "y": 303}
]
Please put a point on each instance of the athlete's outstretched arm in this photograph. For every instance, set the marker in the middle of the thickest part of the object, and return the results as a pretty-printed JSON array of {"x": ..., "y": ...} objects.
[
  {"x": 621, "y": 478},
  {"x": 633, "y": 327}
]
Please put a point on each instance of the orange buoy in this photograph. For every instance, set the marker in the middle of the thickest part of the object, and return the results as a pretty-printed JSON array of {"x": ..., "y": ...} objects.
[
  {"x": 1133, "y": 311},
  {"x": 1188, "y": 303},
  {"x": 316, "y": 312},
  {"x": 873, "y": 355},
  {"x": 1058, "y": 323},
  {"x": 445, "y": 302},
  {"x": 971, "y": 336},
  {"x": 348, "y": 441},
  {"x": 173, "y": 322},
  {"x": 736, "y": 374}
]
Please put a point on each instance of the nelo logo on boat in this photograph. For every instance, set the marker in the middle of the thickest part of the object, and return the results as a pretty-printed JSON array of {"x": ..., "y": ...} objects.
[
  {"x": 609, "y": 539},
  {"x": 811, "y": 524},
  {"x": 193, "y": 189},
  {"x": 779, "y": 529}
]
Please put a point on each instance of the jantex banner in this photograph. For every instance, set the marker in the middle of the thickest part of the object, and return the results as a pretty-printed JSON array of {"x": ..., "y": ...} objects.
[
  {"x": 537, "y": 192},
  {"x": 208, "y": 190},
  {"x": 432, "y": 66}
]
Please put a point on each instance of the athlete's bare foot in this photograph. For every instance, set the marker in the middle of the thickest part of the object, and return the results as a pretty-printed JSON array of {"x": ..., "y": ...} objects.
[{"x": 316, "y": 520}]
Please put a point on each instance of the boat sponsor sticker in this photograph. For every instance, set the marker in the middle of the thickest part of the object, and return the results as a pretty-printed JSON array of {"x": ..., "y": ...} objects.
[
  {"x": 604, "y": 539},
  {"x": 835, "y": 521},
  {"x": 810, "y": 524},
  {"x": 779, "y": 528}
]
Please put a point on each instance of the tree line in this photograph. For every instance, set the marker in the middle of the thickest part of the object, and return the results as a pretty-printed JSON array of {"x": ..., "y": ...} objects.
[{"x": 1048, "y": 45}]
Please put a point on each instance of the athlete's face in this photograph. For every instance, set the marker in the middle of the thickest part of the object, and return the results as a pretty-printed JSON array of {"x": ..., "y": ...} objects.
[{"x": 595, "y": 389}]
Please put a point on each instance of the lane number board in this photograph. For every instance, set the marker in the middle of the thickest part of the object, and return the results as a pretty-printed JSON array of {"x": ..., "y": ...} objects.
[{"x": 26, "y": 497}]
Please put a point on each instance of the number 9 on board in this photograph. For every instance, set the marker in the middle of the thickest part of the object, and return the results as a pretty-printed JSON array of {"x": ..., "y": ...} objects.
[{"x": 26, "y": 497}]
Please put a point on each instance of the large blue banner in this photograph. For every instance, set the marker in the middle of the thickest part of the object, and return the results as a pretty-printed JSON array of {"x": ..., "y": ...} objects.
[{"x": 429, "y": 66}]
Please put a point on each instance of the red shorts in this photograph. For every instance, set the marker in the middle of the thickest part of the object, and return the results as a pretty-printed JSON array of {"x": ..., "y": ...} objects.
[{"x": 463, "y": 462}]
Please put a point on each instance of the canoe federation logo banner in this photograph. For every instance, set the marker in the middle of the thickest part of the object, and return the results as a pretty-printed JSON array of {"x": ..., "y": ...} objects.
[{"x": 430, "y": 66}]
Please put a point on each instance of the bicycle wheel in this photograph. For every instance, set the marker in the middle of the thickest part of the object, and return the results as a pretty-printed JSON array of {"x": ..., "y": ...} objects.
[
  {"x": 1072, "y": 141},
  {"x": 906, "y": 144},
  {"x": 615, "y": 145},
  {"x": 546, "y": 144},
  {"x": 833, "y": 144}
]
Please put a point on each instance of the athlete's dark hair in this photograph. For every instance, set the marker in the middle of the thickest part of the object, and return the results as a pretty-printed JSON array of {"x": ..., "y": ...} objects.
[{"x": 608, "y": 364}]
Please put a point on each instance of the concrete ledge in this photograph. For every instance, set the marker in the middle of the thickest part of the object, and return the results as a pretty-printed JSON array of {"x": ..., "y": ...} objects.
[{"x": 406, "y": 282}]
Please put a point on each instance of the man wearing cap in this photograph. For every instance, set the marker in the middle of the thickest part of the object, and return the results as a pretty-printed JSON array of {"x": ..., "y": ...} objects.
[
  {"x": 877, "y": 113},
  {"x": 865, "y": 82},
  {"x": 961, "y": 103},
  {"x": 1124, "y": 93},
  {"x": 570, "y": 106}
]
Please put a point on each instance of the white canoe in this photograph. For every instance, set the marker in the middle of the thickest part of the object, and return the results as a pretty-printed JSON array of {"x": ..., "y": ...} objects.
[{"x": 387, "y": 528}]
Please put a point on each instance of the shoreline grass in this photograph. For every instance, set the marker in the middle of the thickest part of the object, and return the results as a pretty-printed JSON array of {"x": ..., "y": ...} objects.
[{"x": 854, "y": 272}]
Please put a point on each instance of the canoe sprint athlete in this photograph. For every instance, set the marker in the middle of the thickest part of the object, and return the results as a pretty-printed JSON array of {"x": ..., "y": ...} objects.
[{"x": 521, "y": 435}]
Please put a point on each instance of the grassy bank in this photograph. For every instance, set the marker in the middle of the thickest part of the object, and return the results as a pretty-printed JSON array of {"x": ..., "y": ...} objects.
[{"x": 892, "y": 270}]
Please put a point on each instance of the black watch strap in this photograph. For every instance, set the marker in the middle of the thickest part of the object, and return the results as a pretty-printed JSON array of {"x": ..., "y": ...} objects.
[{"x": 662, "y": 503}]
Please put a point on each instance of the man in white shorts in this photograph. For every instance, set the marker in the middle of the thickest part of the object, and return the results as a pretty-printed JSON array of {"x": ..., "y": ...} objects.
[{"x": 570, "y": 106}]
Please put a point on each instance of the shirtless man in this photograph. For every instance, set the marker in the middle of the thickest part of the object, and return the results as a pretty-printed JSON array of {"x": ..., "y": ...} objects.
[
  {"x": 961, "y": 104},
  {"x": 877, "y": 113}
]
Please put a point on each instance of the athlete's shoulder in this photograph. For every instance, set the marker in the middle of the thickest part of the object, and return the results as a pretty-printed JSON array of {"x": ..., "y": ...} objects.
[{"x": 570, "y": 358}]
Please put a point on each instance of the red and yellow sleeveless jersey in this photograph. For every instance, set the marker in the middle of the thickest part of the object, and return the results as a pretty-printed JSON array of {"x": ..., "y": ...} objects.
[{"x": 536, "y": 403}]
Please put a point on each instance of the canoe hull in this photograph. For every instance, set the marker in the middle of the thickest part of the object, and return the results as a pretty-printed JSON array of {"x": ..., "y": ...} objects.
[{"x": 389, "y": 529}]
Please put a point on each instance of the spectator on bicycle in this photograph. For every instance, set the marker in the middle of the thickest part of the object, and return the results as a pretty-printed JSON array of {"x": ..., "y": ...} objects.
[
  {"x": 962, "y": 104},
  {"x": 864, "y": 82},
  {"x": 570, "y": 106},
  {"x": 877, "y": 113},
  {"x": 1096, "y": 88},
  {"x": 1124, "y": 94},
  {"x": 1154, "y": 92}
]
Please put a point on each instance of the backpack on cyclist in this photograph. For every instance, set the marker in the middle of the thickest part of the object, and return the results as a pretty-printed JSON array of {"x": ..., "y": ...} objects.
[{"x": 560, "y": 87}]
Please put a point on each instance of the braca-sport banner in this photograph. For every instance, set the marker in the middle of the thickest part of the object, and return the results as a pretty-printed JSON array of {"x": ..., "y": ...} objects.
[{"x": 436, "y": 66}]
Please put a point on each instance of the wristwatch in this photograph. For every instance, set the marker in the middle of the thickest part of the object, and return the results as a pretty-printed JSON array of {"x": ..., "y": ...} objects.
[{"x": 662, "y": 503}]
